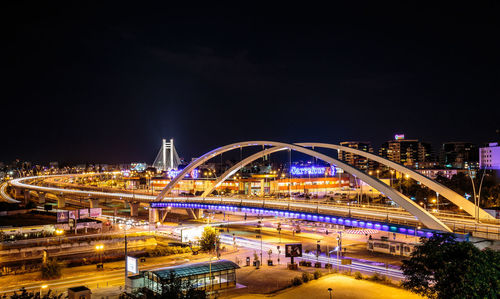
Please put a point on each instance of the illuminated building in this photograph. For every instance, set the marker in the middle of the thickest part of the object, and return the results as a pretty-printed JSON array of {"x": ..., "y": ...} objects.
[
  {"x": 489, "y": 156},
  {"x": 460, "y": 155},
  {"x": 408, "y": 152},
  {"x": 357, "y": 161}
]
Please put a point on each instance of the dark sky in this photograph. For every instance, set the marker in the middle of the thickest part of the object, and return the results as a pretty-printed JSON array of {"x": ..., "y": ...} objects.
[{"x": 104, "y": 82}]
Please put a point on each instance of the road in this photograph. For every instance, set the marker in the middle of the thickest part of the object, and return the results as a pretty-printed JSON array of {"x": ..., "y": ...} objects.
[
  {"x": 458, "y": 223},
  {"x": 5, "y": 196}
]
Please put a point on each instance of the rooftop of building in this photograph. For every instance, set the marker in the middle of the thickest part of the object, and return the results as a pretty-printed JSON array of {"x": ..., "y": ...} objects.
[
  {"x": 195, "y": 269},
  {"x": 79, "y": 289}
]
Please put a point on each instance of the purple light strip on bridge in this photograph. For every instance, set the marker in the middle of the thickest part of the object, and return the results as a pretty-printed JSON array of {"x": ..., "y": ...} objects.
[{"x": 295, "y": 215}]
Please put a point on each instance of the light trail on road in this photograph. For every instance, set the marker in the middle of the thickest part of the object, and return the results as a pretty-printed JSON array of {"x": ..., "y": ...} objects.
[{"x": 256, "y": 245}]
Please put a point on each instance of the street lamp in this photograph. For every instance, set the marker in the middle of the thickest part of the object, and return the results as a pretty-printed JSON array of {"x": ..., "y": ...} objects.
[
  {"x": 43, "y": 287},
  {"x": 99, "y": 248},
  {"x": 59, "y": 232},
  {"x": 477, "y": 196},
  {"x": 339, "y": 247},
  {"x": 330, "y": 291}
]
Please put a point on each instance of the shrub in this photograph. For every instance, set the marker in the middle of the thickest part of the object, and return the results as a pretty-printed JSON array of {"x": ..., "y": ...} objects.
[
  {"x": 317, "y": 274},
  {"x": 375, "y": 277},
  {"x": 51, "y": 269},
  {"x": 296, "y": 281},
  {"x": 385, "y": 279},
  {"x": 358, "y": 275},
  {"x": 306, "y": 277}
]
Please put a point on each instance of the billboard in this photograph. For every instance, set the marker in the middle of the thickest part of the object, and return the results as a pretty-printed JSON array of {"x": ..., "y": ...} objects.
[
  {"x": 191, "y": 234},
  {"x": 62, "y": 216},
  {"x": 132, "y": 265},
  {"x": 293, "y": 250},
  {"x": 73, "y": 214},
  {"x": 95, "y": 212},
  {"x": 84, "y": 213}
]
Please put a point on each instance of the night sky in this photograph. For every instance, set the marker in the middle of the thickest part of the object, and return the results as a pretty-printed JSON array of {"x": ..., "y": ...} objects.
[{"x": 105, "y": 82}]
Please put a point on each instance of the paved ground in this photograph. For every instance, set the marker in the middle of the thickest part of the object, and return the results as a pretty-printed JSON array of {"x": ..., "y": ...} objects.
[{"x": 343, "y": 287}]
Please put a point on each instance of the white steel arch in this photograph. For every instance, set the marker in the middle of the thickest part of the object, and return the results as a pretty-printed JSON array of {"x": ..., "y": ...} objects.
[
  {"x": 442, "y": 190},
  {"x": 238, "y": 166},
  {"x": 426, "y": 218}
]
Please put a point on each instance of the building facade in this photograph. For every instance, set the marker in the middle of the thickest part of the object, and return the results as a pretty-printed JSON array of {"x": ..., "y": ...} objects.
[
  {"x": 357, "y": 161},
  {"x": 459, "y": 155},
  {"x": 489, "y": 156},
  {"x": 408, "y": 152}
]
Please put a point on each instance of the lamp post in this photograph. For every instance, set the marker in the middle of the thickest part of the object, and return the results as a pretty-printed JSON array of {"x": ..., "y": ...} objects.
[
  {"x": 59, "y": 232},
  {"x": 42, "y": 287},
  {"x": 339, "y": 247},
  {"x": 478, "y": 195},
  {"x": 99, "y": 248}
]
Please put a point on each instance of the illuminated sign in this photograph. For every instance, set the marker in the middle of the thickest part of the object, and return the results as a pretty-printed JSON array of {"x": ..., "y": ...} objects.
[
  {"x": 191, "y": 234},
  {"x": 62, "y": 216},
  {"x": 83, "y": 213},
  {"x": 293, "y": 250},
  {"x": 95, "y": 212},
  {"x": 172, "y": 173},
  {"x": 399, "y": 136},
  {"x": 314, "y": 170},
  {"x": 73, "y": 214},
  {"x": 132, "y": 265},
  {"x": 140, "y": 167}
]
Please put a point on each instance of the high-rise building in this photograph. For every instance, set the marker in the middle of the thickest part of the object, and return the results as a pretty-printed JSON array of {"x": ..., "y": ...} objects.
[
  {"x": 489, "y": 156},
  {"x": 356, "y": 160},
  {"x": 459, "y": 155},
  {"x": 409, "y": 152}
]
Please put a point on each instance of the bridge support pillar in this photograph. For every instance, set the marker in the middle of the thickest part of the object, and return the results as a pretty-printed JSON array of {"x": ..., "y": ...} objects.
[
  {"x": 26, "y": 196},
  {"x": 262, "y": 187},
  {"x": 154, "y": 215},
  {"x": 134, "y": 209},
  {"x": 41, "y": 197},
  {"x": 195, "y": 213},
  {"x": 18, "y": 193},
  {"x": 61, "y": 202},
  {"x": 94, "y": 203}
]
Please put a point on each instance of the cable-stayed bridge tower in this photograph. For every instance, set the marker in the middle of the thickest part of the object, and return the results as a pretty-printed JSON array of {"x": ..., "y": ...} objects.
[{"x": 167, "y": 157}]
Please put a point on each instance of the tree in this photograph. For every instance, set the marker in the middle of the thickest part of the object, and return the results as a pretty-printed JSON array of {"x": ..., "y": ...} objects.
[
  {"x": 33, "y": 295},
  {"x": 443, "y": 267},
  {"x": 209, "y": 239},
  {"x": 51, "y": 269}
]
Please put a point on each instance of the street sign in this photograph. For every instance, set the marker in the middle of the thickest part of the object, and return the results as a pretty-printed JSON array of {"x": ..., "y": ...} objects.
[{"x": 293, "y": 250}]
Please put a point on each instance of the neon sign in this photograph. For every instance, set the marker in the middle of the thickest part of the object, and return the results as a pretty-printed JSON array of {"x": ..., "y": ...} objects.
[
  {"x": 313, "y": 170},
  {"x": 399, "y": 136},
  {"x": 194, "y": 174}
]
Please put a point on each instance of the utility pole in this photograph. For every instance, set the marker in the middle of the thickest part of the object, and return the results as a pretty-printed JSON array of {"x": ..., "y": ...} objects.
[
  {"x": 339, "y": 248},
  {"x": 126, "y": 255}
]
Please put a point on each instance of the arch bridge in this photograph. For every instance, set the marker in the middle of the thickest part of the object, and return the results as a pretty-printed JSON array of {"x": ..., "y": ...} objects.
[{"x": 307, "y": 148}]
